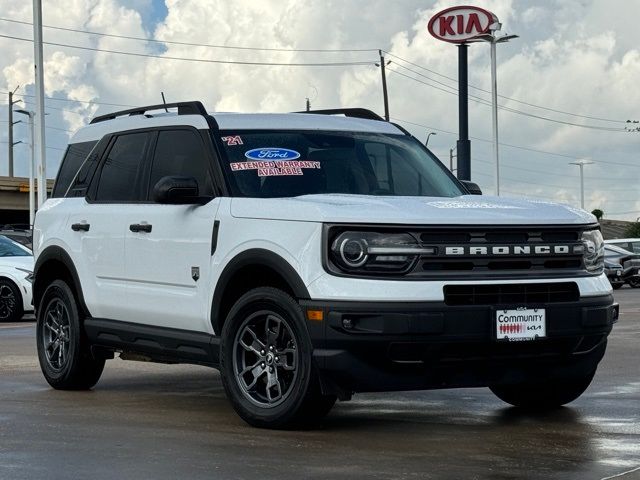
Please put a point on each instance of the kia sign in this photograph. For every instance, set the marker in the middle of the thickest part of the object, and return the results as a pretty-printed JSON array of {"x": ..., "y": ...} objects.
[{"x": 461, "y": 24}]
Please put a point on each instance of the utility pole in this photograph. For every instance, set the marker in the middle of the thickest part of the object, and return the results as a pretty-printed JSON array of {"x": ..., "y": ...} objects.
[
  {"x": 32, "y": 200},
  {"x": 41, "y": 158},
  {"x": 451, "y": 157},
  {"x": 308, "y": 105},
  {"x": 12, "y": 102},
  {"x": 384, "y": 86},
  {"x": 581, "y": 164}
]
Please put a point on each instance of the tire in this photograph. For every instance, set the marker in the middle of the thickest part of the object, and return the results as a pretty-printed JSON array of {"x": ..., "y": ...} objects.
[
  {"x": 250, "y": 370},
  {"x": 542, "y": 395},
  {"x": 617, "y": 286},
  {"x": 11, "y": 309},
  {"x": 634, "y": 282},
  {"x": 63, "y": 349}
]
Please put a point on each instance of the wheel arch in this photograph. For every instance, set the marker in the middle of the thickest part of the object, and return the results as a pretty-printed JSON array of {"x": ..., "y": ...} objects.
[
  {"x": 55, "y": 263},
  {"x": 250, "y": 269}
]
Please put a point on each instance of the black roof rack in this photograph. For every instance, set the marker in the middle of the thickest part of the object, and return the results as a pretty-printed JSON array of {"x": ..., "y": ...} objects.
[
  {"x": 184, "y": 108},
  {"x": 348, "y": 112}
]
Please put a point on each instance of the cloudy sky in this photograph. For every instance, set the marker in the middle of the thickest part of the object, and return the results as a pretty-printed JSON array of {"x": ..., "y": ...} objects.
[{"x": 567, "y": 85}]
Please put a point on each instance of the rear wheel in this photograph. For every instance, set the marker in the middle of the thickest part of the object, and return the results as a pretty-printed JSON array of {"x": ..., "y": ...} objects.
[
  {"x": 63, "y": 349},
  {"x": 11, "y": 309},
  {"x": 543, "y": 395},
  {"x": 266, "y": 364}
]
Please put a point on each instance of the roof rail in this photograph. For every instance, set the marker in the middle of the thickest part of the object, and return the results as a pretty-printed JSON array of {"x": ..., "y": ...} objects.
[
  {"x": 348, "y": 112},
  {"x": 184, "y": 108}
]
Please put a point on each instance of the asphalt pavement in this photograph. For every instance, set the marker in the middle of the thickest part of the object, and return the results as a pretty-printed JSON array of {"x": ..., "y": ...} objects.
[{"x": 148, "y": 421}]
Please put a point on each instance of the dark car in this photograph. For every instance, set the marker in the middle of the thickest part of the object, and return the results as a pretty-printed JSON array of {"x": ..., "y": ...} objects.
[
  {"x": 630, "y": 263},
  {"x": 614, "y": 273}
]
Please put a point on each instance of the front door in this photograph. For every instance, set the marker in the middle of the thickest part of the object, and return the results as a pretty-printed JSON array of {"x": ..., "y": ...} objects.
[{"x": 168, "y": 247}]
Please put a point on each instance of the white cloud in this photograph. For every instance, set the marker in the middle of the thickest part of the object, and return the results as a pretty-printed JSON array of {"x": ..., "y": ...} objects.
[{"x": 577, "y": 56}]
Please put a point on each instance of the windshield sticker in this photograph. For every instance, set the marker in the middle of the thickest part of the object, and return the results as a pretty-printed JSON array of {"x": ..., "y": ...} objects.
[
  {"x": 271, "y": 154},
  {"x": 232, "y": 140},
  {"x": 276, "y": 168}
]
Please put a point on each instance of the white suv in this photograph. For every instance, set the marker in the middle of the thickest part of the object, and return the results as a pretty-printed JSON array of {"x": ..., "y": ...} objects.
[{"x": 308, "y": 256}]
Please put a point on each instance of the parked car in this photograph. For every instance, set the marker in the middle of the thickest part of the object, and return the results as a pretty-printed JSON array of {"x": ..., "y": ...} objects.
[
  {"x": 630, "y": 244},
  {"x": 18, "y": 233},
  {"x": 614, "y": 272},
  {"x": 629, "y": 262},
  {"x": 16, "y": 277},
  {"x": 309, "y": 256}
]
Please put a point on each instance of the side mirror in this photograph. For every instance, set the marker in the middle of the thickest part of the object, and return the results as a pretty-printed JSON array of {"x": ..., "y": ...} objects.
[
  {"x": 176, "y": 190},
  {"x": 471, "y": 187}
]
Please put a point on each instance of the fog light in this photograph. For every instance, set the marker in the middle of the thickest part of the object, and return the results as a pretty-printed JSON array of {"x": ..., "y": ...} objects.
[{"x": 347, "y": 323}]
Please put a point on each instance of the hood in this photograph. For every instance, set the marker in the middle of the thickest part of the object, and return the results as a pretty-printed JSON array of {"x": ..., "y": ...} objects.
[
  {"x": 467, "y": 209},
  {"x": 20, "y": 262}
]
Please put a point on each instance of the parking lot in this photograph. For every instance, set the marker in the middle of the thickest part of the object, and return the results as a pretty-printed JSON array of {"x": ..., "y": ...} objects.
[{"x": 165, "y": 421}]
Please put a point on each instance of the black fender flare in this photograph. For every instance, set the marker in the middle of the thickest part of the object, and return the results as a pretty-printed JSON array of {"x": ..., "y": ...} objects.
[
  {"x": 58, "y": 254},
  {"x": 257, "y": 257}
]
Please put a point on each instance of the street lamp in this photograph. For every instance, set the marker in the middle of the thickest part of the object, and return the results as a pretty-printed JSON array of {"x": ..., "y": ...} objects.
[
  {"x": 426, "y": 143},
  {"x": 494, "y": 40},
  {"x": 581, "y": 164},
  {"x": 32, "y": 201}
]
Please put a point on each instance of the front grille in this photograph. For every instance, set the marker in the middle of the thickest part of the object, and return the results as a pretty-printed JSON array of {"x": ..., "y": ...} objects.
[
  {"x": 480, "y": 251},
  {"x": 511, "y": 294}
]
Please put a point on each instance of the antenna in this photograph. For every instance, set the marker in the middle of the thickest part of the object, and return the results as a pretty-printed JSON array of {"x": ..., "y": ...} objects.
[{"x": 164, "y": 102}]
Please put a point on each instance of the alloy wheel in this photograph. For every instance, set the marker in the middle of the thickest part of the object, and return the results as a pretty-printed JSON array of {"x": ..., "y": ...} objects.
[
  {"x": 7, "y": 302},
  {"x": 56, "y": 334},
  {"x": 265, "y": 359}
]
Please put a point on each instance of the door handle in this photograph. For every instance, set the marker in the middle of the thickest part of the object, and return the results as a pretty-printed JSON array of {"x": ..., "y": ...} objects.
[
  {"x": 80, "y": 227},
  {"x": 140, "y": 227}
]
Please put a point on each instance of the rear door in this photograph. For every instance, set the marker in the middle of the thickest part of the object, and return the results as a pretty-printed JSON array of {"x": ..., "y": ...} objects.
[
  {"x": 98, "y": 224},
  {"x": 167, "y": 261}
]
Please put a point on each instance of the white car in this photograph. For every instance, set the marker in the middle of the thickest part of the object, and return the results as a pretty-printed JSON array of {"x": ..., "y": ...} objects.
[
  {"x": 630, "y": 244},
  {"x": 308, "y": 256},
  {"x": 16, "y": 277}
]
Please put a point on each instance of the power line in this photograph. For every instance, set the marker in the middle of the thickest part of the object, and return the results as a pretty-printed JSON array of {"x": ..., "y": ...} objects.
[
  {"x": 190, "y": 44},
  {"x": 200, "y": 60},
  {"x": 508, "y": 109},
  {"x": 519, "y": 146},
  {"x": 510, "y": 98}
]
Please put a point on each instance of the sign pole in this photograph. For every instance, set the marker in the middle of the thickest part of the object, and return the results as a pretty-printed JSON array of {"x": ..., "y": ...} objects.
[
  {"x": 40, "y": 149},
  {"x": 494, "y": 113},
  {"x": 463, "y": 144}
]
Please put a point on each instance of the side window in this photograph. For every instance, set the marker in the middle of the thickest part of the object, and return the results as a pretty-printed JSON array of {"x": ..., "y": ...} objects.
[
  {"x": 181, "y": 153},
  {"x": 122, "y": 168},
  {"x": 73, "y": 159}
]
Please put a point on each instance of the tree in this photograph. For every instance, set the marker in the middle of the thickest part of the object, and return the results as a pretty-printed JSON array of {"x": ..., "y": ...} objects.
[
  {"x": 598, "y": 213},
  {"x": 633, "y": 230}
]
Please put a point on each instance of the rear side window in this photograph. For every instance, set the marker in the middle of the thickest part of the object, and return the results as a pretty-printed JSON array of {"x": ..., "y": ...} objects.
[
  {"x": 181, "y": 153},
  {"x": 122, "y": 169},
  {"x": 73, "y": 158}
]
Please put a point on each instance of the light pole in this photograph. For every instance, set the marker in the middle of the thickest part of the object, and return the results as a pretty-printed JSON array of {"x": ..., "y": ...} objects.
[
  {"x": 426, "y": 142},
  {"x": 494, "y": 40},
  {"x": 581, "y": 164},
  {"x": 32, "y": 200},
  {"x": 40, "y": 145}
]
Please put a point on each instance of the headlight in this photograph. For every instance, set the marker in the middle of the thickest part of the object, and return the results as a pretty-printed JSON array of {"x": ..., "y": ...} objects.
[
  {"x": 374, "y": 252},
  {"x": 29, "y": 273},
  {"x": 593, "y": 254}
]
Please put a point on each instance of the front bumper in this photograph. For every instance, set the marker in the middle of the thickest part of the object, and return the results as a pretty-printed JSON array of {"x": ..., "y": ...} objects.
[{"x": 369, "y": 346}]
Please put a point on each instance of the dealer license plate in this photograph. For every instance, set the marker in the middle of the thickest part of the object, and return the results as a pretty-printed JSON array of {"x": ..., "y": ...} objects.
[{"x": 521, "y": 324}]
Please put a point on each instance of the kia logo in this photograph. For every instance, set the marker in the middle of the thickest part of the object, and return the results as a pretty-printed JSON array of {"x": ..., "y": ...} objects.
[{"x": 461, "y": 24}]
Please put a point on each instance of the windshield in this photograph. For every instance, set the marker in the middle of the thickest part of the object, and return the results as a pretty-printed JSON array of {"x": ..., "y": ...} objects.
[
  {"x": 9, "y": 248},
  {"x": 270, "y": 164}
]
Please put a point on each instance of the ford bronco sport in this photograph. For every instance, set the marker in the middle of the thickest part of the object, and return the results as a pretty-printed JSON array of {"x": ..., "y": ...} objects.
[{"x": 308, "y": 256}]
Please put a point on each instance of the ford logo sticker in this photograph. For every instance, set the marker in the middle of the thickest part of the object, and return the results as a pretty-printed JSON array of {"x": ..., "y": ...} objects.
[{"x": 271, "y": 154}]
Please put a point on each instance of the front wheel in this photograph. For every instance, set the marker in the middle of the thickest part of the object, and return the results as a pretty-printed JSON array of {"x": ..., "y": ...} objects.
[
  {"x": 266, "y": 365},
  {"x": 543, "y": 395},
  {"x": 63, "y": 350},
  {"x": 634, "y": 282}
]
